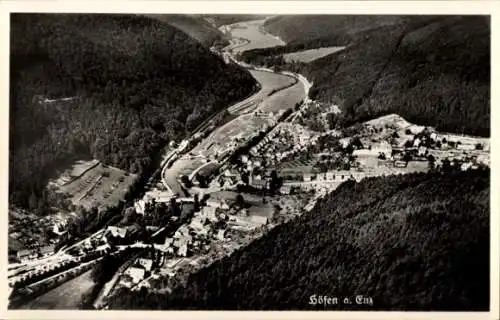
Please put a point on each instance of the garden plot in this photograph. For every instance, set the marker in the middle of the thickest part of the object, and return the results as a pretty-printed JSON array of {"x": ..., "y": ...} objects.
[{"x": 99, "y": 185}]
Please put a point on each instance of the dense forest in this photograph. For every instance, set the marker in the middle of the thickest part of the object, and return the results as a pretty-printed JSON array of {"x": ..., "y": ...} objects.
[
  {"x": 410, "y": 242},
  {"x": 432, "y": 70},
  {"x": 111, "y": 87}
]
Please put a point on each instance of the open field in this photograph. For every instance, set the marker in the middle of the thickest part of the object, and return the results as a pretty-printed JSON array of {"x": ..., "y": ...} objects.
[
  {"x": 269, "y": 82},
  {"x": 252, "y": 31},
  {"x": 282, "y": 100},
  {"x": 66, "y": 296},
  {"x": 76, "y": 170},
  {"x": 208, "y": 169},
  {"x": 220, "y": 140},
  {"x": 310, "y": 55},
  {"x": 99, "y": 185}
]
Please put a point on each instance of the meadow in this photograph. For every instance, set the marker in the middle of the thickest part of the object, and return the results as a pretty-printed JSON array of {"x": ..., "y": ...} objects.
[{"x": 310, "y": 55}]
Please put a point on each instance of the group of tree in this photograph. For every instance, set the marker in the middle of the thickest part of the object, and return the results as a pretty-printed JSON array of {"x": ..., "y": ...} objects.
[
  {"x": 397, "y": 239},
  {"x": 137, "y": 83}
]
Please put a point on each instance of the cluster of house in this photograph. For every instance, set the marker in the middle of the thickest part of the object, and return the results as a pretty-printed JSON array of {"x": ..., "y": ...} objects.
[
  {"x": 333, "y": 176},
  {"x": 40, "y": 252},
  {"x": 28, "y": 231},
  {"x": 284, "y": 140},
  {"x": 229, "y": 178},
  {"x": 139, "y": 270},
  {"x": 246, "y": 222},
  {"x": 204, "y": 226},
  {"x": 462, "y": 151},
  {"x": 119, "y": 235},
  {"x": 156, "y": 195},
  {"x": 194, "y": 237}
]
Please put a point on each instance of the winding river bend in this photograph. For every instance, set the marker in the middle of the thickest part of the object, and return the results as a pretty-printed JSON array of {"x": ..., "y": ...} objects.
[{"x": 278, "y": 92}]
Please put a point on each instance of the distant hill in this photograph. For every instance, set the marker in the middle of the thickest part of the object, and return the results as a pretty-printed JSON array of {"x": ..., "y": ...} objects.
[
  {"x": 193, "y": 25},
  {"x": 301, "y": 28},
  {"x": 129, "y": 84},
  {"x": 433, "y": 70},
  {"x": 222, "y": 19},
  {"x": 417, "y": 242}
]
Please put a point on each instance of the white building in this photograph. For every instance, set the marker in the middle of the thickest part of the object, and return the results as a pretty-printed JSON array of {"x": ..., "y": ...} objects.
[
  {"x": 137, "y": 274},
  {"x": 209, "y": 212},
  {"x": 307, "y": 177},
  {"x": 158, "y": 196},
  {"x": 329, "y": 175},
  {"x": 422, "y": 151},
  {"x": 259, "y": 220},
  {"x": 221, "y": 234},
  {"x": 344, "y": 142},
  {"x": 416, "y": 142},
  {"x": 466, "y": 166},
  {"x": 466, "y": 146},
  {"x": 146, "y": 263},
  {"x": 140, "y": 206},
  {"x": 218, "y": 204},
  {"x": 117, "y": 232}
]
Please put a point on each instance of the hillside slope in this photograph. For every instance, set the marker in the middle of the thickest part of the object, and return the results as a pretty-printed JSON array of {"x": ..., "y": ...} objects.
[
  {"x": 433, "y": 70},
  {"x": 195, "y": 26},
  {"x": 132, "y": 83},
  {"x": 302, "y": 28},
  {"x": 414, "y": 242}
]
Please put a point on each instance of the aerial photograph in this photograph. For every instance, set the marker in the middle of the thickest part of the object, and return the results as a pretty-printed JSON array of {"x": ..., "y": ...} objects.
[{"x": 249, "y": 162}]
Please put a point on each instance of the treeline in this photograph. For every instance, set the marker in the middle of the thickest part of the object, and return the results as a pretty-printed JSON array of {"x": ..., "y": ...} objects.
[
  {"x": 410, "y": 242},
  {"x": 431, "y": 70},
  {"x": 195, "y": 26},
  {"x": 136, "y": 84}
]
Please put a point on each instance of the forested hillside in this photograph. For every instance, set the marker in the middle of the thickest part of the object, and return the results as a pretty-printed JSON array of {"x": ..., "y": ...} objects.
[
  {"x": 302, "y": 28},
  {"x": 413, "y": 242},
  {"x": 193, "y": 25},
  {"x": 432, "y": 70},
  {"x": 132, "y": 83}
]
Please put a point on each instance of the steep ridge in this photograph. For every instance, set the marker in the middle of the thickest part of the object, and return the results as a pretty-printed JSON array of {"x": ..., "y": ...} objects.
[{"x": 193, "y": 25}]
